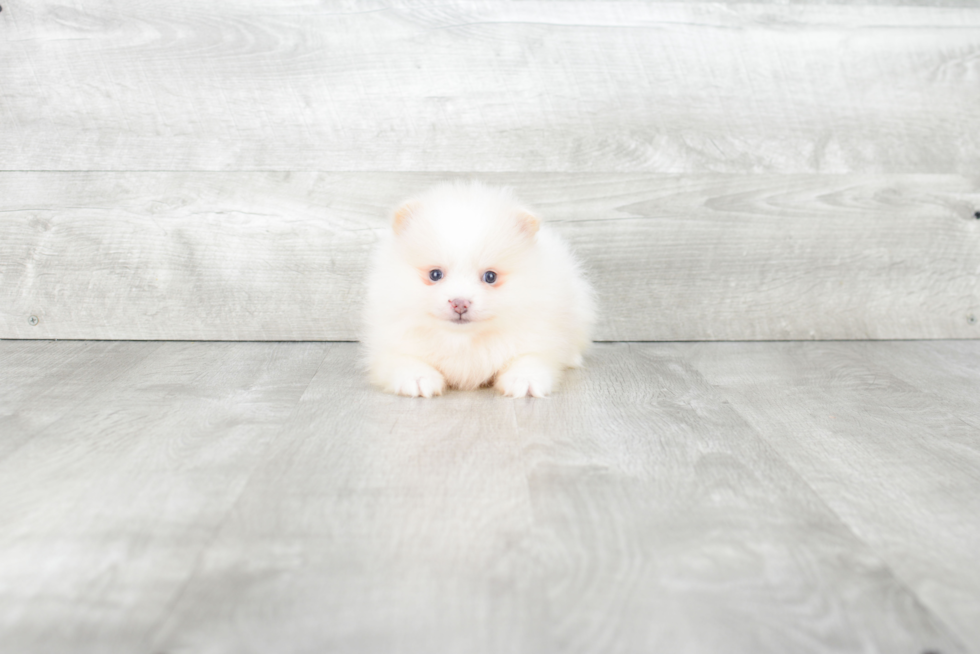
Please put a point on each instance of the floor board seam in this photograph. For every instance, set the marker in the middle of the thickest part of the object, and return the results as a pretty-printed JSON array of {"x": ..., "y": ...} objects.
[
  {"x": 847, "y": 526},
  {"x": 155, "y": 633},
  {"x": 40, "y": 433}
]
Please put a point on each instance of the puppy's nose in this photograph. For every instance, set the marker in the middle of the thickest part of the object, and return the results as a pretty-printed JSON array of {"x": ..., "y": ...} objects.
[{"x": 460, "y": 305}]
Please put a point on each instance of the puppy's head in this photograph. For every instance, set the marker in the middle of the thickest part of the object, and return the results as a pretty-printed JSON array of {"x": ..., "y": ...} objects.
[{"x": 465, "y": 250}]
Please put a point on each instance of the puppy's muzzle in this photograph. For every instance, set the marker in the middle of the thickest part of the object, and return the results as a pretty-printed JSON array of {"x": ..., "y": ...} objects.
[{"x": 460, "y": 305}]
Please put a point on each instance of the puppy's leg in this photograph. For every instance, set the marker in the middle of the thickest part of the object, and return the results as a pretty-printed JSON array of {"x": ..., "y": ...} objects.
[
  {"x": 527, "y": 375},
  {"x": 407, "y": 376}
]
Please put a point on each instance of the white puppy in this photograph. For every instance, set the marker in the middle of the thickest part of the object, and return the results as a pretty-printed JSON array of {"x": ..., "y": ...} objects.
[{"x": 469, "y": 290}]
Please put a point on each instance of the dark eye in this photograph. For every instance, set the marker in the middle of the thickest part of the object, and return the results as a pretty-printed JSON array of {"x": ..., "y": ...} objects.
[
  {"x": 435, "y": 275},
  {"x": 489, "y": 277}
]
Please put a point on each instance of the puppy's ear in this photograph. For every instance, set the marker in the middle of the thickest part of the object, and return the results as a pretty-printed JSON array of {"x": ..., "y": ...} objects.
[
  {"x": 527, "y": 223},
  {"x": 403, "y": 215}
]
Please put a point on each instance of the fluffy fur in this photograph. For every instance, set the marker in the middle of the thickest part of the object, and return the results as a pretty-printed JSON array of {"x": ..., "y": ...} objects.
[{"x": 517, "y": 333}]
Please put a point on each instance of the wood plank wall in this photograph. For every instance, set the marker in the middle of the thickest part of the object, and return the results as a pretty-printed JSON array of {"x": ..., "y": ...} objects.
[{"x": 219, "y": 170}]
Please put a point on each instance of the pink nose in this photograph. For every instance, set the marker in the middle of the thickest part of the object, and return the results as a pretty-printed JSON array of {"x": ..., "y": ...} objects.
[{"x": 460, "y": 305}]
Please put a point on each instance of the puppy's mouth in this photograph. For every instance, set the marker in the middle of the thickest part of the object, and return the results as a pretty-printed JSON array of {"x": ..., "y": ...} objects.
[{"x": 460, "y": 320}]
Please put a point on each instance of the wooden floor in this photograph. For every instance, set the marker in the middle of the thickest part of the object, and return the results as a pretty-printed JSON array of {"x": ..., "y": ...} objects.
[
  {"x": 176, "y": 172},
  {"x": 673, "y": 497}
]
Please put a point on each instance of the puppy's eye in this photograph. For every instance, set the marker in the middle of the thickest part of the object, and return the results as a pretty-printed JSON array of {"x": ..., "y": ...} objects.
[
  {"x": 489, "y": 277},
  {"x": 435, "y": 274}
]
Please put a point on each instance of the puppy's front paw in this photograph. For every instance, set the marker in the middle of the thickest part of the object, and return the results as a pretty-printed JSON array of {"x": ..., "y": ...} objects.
[
  {"x": 525, "y": 378},
  {"x": 417, "y": 381}
]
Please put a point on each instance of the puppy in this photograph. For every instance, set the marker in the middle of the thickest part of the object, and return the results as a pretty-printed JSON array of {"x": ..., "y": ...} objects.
[{"x": 470, "y": 290}]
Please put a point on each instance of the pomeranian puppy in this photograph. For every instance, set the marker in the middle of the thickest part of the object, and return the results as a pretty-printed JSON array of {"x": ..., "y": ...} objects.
[{"x": 470, "y": 290}]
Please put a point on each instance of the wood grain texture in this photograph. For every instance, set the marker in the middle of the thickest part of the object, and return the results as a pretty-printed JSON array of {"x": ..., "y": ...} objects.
[
  {"x": 283, "y": 256},
  {"x": 221, "y": 497},
  {"x": 711, "y": 512},
  {"x": 944, "y": 370},
  {"x": 106, "y": 508},
  {"x": 43, "y": 381},
  {"x": 379, "y": 524},
  {"x": 489, "y": 86},
  {"x": 883, "y": 434}
]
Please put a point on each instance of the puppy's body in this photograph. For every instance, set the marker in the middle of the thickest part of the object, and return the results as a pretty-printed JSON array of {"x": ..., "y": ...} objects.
[{"x": 469, "y": 290}]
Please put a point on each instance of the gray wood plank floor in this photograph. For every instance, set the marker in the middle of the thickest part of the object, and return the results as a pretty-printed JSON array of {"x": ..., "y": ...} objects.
[{"x": 704, "y": 497}]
